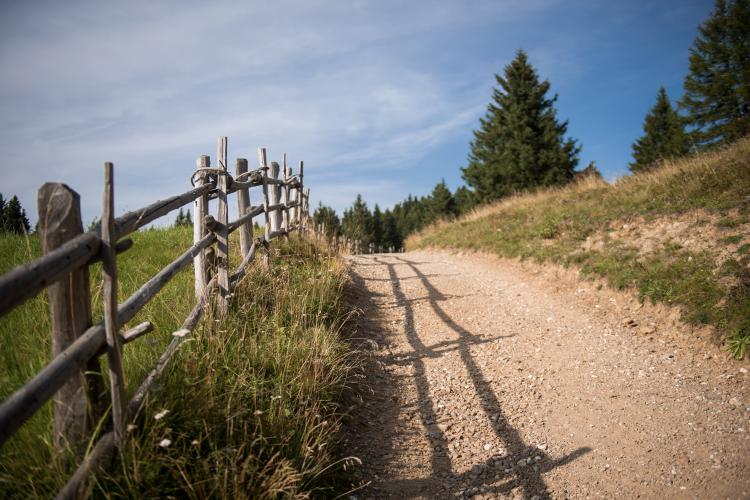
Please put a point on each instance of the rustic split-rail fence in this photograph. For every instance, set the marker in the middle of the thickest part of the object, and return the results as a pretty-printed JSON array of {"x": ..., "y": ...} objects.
[{"x": 71, "y": 379}]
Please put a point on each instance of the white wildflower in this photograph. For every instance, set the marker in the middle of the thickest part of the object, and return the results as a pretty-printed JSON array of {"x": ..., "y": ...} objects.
[{"x": 161, "y": 414}]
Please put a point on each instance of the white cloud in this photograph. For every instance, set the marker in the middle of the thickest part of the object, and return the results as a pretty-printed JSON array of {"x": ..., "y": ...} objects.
[{"x": 347, "y": 86}]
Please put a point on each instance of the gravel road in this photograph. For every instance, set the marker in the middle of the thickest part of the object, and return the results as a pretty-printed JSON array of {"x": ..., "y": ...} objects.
[{"x": 488, "y": 380}]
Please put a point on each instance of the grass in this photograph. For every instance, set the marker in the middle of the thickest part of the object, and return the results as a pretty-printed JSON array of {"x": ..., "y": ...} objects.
[
  {"x": 248, "y": 405},
  {"x": 597, "y": 227}
]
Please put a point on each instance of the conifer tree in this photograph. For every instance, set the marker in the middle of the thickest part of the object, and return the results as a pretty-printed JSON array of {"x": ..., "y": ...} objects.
[
  {"x": 717, "y": 89},
  {"x": 590, "y": 171},
  {"x": 520, "y": 144},
  {"x": 180, "y": 220},
  {"x": 2, "y": 214},
  {"x": 391, "y": 233},
  {"x": 442, "y": 203},
  {"x": 377, "y": 226},
  {"x": 664, "y": 136},
  {"x": 327, "y": 216},
  {"x": 357, "y": 222},
  {"x": 188, "y": 218},
  {"x": 15, "y": 217},
  {"x": 465, "y": 200}
]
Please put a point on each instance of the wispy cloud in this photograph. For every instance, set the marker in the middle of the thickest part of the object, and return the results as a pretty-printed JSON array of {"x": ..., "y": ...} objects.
[{"x": 355, "y": 88}]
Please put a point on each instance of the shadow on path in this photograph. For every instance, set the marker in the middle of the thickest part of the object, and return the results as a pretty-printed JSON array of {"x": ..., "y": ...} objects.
[{"x": 528, "y": 478}]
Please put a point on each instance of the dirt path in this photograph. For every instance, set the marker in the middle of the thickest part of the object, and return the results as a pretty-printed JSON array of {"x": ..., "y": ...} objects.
[{"x": 488, "y": 381}]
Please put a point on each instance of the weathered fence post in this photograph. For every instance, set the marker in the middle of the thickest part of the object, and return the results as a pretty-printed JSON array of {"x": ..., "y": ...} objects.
[
  {"x": 264, "y": 169},
  {"x": 243, "y": 205},
  {"x": 200, "y": 210},
  {"x": 275, "y": 198},
  {"x": 222, "y": 234},
  {"x": 306, "y": 206},
  {"x": 285, "y": 200},
  {"x": 77, "y": 405},
  {"x": 109, "y": 302},
  {"x": 298, "y": 208}
]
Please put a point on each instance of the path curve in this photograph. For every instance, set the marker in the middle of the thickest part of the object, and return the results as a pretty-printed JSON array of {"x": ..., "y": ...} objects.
[{"x": 490, "y": 382}]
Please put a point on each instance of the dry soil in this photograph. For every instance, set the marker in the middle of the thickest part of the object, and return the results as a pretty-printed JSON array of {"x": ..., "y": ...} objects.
[{"x": 487, "y": 380}]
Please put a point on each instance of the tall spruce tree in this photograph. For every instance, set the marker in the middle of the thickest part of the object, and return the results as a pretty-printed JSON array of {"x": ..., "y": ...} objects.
[
  {"x": 377, "y": 227},
  {"x": 664, "y": 136},
  {"x": 391, "y": 235},
  {"x": 465, "y": 198},
  {"x": 717, "y": 89},
  {"x": 357, "y": 222},
  {"x": 2, "y": 214},
  {"x": 179, "y": 220},
  {"x": 15, "y": 217},
  {"x": 327, "y": 216},
  {"x": 520, "y": 144},
  {"x": 442, "y": 203}
]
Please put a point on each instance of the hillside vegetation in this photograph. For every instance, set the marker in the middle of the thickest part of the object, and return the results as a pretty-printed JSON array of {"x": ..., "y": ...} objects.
[
  {"x": 247, "y": 409},
  {"x": 679, "y": 235}
]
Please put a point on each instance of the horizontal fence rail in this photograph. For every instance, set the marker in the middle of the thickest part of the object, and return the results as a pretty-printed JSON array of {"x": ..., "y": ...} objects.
[{"x": 63, "y": 268}]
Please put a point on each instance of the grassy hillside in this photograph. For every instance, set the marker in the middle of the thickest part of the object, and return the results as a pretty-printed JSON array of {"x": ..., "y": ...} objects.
[
  {"x": 679, "y": 235},
  {"x": 248, "y": 406}
]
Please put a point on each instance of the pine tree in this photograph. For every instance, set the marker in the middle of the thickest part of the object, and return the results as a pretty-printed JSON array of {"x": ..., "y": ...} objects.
[
  {"x": 2, "y": 215},
  {"x": 180, "y": 220},
  {"x": 717, "y": 89},
  {"x": 15, "y": 217},
  {"x": 357, "y": 223},
  {"x": 520, "y": 144},
  {"x": 327, "y": 216},
  {"x": 442, "y": 203},
  {"x": 377, "y": 227},
  {"x": 188, "y": 218},
  {"x": 393, "y": 239},
  {"x": 590, "y": 171},
  {"x": 664, "y": 136},
  {"x": 465, "y": 200}
]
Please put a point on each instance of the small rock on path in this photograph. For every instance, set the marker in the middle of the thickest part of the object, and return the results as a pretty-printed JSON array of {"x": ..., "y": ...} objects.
[{"x": 488, "y": 381}]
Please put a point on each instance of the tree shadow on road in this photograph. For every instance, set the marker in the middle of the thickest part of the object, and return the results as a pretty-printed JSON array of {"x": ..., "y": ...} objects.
[{"x": 529, "y": 477}]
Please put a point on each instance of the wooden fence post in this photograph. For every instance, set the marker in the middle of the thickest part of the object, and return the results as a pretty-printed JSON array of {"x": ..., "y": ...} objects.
[
  {"x": 305, "y": 206},
  {"x": 243, "y": 205},
  {"x": 109, "y": 301},
  {"x": 222, "y": 244},
  {"x": 77, "y": 405},
  {"x": 275, "y": 196},
  {"x": 200, "y": 210},
  {"x": 290, "y": 200},
  {"x": 285, "y": 200},
  {"x": 264, "y": 169},
  {"x": 298, "y": 208}
]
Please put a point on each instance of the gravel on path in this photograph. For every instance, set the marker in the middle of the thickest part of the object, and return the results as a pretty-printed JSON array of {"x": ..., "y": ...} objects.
[{"x": 488, "y": 381}]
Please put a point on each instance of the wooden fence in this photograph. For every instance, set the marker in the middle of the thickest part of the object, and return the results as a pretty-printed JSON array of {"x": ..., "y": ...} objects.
[{"x": 72, "y": 378}]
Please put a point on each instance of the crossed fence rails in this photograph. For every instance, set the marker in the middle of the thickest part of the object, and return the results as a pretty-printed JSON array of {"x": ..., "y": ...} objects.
[{"x": 73, "y": 377}]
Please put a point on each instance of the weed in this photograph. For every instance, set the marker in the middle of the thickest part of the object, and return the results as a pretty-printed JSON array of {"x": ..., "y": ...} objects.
[{"x": 732, "y": 240}]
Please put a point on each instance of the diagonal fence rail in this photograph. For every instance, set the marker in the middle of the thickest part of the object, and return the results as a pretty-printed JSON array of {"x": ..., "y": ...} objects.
[{"x": 71, "y": 378}]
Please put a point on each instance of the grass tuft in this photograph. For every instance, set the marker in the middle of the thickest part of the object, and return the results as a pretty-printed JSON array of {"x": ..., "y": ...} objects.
[{"x": 247, "y": 408}]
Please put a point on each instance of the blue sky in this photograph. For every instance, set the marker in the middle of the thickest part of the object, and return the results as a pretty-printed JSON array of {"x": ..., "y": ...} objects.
[{"x": 378, "y": 97}]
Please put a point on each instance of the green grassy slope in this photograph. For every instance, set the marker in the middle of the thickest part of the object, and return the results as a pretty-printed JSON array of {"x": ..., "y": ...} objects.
[
  {"x": 679, "y": 235},
  {"x": 250, "y": 402}
]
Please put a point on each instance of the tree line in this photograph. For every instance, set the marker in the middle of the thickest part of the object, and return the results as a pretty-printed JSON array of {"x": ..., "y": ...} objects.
[
  {"x": 12, "y": 216},
  {"x": 521, "y": 145}
]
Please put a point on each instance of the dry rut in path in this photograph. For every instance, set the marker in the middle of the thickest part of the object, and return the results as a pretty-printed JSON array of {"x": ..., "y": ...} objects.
[{"x": 489, "y": 382}]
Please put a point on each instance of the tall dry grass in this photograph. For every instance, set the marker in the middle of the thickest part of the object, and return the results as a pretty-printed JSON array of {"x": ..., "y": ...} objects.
[{"x": 554, "y": 225}]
